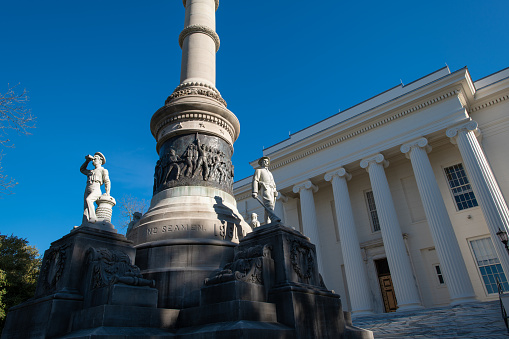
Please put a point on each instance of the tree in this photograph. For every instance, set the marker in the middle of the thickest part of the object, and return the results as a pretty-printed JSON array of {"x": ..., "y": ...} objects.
[
  {"x": 19, "y": 270},
  {"x": 128, "y": 205},
  {"x": 15, "y": 115}
]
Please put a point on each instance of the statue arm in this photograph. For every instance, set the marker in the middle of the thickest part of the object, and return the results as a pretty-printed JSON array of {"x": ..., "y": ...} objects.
[
  {"x": 106, "y": 180},
  {"x": 83, "y": 168},
  {"x": 256, "y": 180}
]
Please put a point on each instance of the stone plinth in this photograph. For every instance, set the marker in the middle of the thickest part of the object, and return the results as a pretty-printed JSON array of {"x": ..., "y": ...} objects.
[
  {"x": 87, "y": 280},
  {"x": 271, "y": 289}
]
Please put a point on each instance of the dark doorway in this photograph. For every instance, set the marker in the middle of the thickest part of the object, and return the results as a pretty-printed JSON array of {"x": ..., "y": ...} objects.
[{"x": 386, "y": 287}]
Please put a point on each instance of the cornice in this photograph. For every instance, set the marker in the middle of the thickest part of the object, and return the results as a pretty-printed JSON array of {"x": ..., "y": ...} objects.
[
  {"x": 217, "y": 3},
  {"x": 373, "y": 125},
  {"x": 489, "y": 103},
  {"x": 199, "y": 29}
]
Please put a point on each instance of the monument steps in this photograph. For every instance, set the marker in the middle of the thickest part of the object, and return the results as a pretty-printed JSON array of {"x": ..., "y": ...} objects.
[{"x": 472, "y": 320}]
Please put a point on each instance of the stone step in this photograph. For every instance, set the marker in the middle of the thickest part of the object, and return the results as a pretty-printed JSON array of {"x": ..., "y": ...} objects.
[
  {"x": 473, "y": 320},
  {"x": 229, "y": 311}
]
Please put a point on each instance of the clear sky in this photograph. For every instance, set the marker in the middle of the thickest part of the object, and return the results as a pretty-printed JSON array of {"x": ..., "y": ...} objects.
[{"x": 96, "y": 71}]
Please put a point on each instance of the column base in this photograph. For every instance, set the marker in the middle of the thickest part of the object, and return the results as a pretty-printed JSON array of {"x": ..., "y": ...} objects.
[
  {"x": 362, "y": 313},
  {"x": 464, "y": 300},
  {"x": 409, "y": 307}
]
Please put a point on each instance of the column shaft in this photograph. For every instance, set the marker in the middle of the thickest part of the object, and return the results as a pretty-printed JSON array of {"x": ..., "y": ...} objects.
[
  {"x": 448, "y": 251},
  {"x": 308, "y": 211},
  {"x": 397, "y": 256},
  {"x": 484, "y": 185},
  {"x": 199, "y": 46},
  {"x": 356, "y": 276}
]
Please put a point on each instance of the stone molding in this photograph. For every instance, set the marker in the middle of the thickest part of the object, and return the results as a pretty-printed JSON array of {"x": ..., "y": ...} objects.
[
  {"x": 341, "y": 172},
  {"x": 377, "y": 159},
  {"x": 176, "y": 118},
  {"x": 195, "y": 84},
  {"x": 421, "y": 143},
  {"x": 490, "y": 103},
  {"x": 368, "y": 128},
  {"x": 199, "y": 29},
  {"x": 470, "y": 126},
  {"x": 195, "y": 91},
  {"x": 217, "y": 3},
  {"x": 308, "y": 185}
]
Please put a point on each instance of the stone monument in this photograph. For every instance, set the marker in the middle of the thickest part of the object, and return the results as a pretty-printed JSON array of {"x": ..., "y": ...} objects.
[
  {"x": 193, "y": 224},
  {"x": 199, "y": 270}
]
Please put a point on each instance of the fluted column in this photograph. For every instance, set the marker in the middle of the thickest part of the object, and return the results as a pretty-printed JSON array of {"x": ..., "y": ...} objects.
[
  {"x": 448, "y": 251},
  {"x": 484, "y": 184},
  {"x": 308, "y": 211},
  {"x": 355, "y": 269},
  {"x": 279, "y": 210},
  {"x": 397, "y": 257}
]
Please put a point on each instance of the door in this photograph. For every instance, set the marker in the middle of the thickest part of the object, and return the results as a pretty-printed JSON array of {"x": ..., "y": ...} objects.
[{"x": 386, "y": 286}]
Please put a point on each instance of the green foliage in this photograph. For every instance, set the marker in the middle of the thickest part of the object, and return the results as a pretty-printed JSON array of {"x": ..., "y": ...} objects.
[{"x": 19, "y": 270}]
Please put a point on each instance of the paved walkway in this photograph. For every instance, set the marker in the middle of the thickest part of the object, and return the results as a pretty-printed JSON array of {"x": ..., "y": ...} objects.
[{"x": 473, "y": 320}]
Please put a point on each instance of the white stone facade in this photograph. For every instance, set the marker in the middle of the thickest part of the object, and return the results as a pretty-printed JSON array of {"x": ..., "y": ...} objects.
[{"x": 386, "y": 222}]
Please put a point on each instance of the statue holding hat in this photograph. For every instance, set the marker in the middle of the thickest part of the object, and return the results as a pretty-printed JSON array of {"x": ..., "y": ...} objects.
[
  {"x": 95, "y": 178},
  {"x": 264, "y": 188}
]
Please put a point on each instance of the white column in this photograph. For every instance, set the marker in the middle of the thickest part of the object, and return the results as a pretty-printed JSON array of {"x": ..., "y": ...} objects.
[
  {"x": 397, "y": 257},
  {"x": 199, "y": 42},
  {"x": 356, "y": 276},
  {"x": 279, "y": 209},
  {"x": 484, "y": 184},
  {"x": 446, "y": 244},
  {"x": 308, "y": 211}
]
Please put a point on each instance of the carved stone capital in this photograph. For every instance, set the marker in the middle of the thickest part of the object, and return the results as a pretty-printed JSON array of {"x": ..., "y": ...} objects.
[
  {"x": 281, "y": 197},
  {"x": 341, "y": 172},
  {"x": 470, "y": 126},
  {"x": 308, "y": 185},
  {"x": 199, "y": 29},
  {"x": 217, "y": 3},
  {"x": 375, "y": 159},
  {"x": 417, "y": 143}
]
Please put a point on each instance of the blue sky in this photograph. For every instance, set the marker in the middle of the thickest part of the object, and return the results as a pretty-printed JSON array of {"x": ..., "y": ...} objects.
[{"x": 96, "y": 71}]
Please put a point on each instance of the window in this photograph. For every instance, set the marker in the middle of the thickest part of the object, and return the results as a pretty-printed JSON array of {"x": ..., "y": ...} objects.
[
  {"x": 373, "y": 215},
  {"x": 489, "y": 265},
  {"x": 440, "y": 276},
  {"x": 460, "y": 187}
]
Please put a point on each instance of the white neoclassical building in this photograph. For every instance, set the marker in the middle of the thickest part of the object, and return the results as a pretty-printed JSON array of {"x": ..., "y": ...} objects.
[{"x": 403, "y": 193}]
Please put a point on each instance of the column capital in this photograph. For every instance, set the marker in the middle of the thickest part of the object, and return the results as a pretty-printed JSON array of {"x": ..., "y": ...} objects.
[
  {"x": 341, "y": 172},
  {"x": 420, "y": 143},
  {"x": 305, "y": 185},
  {"x": 184, "y": 2},
  {"x": 470, "y": 126},
  {"x": 374, "y": 159},
  {"x": 281, "y": 197}
]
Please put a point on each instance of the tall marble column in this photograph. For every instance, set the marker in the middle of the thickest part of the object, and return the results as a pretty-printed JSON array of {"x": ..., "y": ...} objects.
[
  {"x": 397, "y": 257},
  {"x": 484, "y": 184},
  {"x": 281, "y": 199},
  {"x": 448, "y": 251},
  {"x": 355, "y": 269},
  {"x": 308, "y": 211}
]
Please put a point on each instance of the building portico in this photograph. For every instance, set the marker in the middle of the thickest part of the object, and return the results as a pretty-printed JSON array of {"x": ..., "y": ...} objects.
[{"x": 402, "y": 216}]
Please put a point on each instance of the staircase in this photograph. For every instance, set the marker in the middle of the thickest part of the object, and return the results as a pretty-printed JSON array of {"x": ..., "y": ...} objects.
[{"x": 480, "y": 320}]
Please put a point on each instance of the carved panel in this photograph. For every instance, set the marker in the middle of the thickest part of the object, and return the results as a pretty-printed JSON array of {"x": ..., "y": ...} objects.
[
  {"x": 194, "y": 160},
  {"x": 53, "y": 267},
  {"x": 302, "y": 257},
  {"x": 109, "y": 267},
  {"x": 247, "y": 266}
]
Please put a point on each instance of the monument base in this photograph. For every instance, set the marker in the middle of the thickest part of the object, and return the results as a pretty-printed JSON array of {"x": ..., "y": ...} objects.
[{"x": 271, "y": 289}]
